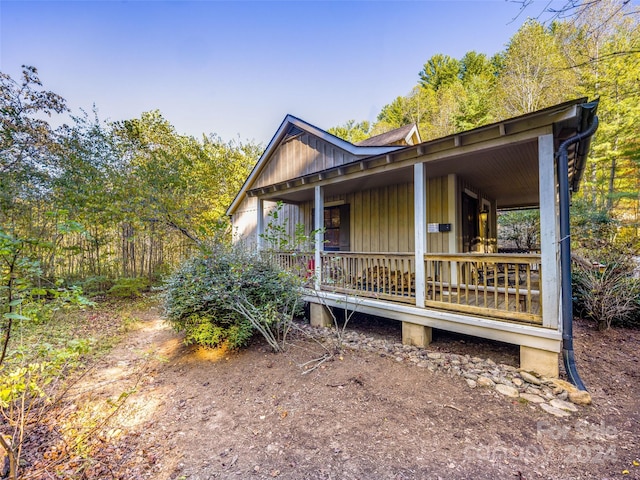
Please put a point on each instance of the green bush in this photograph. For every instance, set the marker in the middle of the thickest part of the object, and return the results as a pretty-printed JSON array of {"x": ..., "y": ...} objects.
[
  {"x": 97, "y": 285},
  {"x": 223, "y": 296},
  {"x": 129, "y": 287}
]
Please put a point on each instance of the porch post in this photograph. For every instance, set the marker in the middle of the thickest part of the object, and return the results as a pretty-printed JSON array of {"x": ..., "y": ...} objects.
[
  {"x": 549, "y": 235},
  {"x": 260, "y": 224},
  {"x": 319, "y": 222},
  {"x": 420, "y": 222}
]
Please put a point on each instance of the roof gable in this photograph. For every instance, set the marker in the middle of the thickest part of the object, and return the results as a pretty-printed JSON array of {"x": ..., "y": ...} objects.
[
  {"x": 310, "y": 139},
  {"x": 407, "y": 135}
]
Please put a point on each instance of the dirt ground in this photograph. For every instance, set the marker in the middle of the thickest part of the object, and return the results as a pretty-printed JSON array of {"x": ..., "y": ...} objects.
[{"x": 198, "y": 414}]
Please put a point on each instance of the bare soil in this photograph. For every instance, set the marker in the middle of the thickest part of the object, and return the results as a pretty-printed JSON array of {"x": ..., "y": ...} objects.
[{"x": 203, "y": 414}]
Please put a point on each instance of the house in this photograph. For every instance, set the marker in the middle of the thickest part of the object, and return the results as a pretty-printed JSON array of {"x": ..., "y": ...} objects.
[{"x": 410, "y": 227}]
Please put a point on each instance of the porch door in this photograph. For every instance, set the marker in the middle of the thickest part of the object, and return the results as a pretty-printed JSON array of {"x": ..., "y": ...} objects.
[{"x": 470, "y": 224}]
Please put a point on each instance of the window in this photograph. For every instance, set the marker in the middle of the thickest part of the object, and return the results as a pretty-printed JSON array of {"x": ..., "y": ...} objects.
[{"x": 336, "y": 228}]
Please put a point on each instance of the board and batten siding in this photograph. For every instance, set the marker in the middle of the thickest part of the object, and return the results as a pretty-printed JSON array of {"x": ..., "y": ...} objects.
[
  {"x": 301, "y": 155},
  {"x": 382, "y": 219},
  {"x": 438, "y": 212},
  {"x": 245, "y": 220}
]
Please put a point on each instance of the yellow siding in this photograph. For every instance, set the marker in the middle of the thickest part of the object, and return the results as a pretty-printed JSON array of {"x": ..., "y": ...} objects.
[
  {"x": 299, "y": 156},
  {"x": 437, "y": 212},
  {"x": 382, "y": 219}
]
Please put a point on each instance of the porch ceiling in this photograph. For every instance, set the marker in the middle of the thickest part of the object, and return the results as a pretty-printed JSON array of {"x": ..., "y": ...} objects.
[{"x": 508, "y": 173}]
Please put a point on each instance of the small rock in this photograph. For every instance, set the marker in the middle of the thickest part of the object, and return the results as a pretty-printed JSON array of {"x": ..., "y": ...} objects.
[
  {"x": 508, "y": 391},
  {"x": 580, "y": 397},
  {"x": 569, "y": 387},
  {"x": 503, "y": 381},
  {"x": 554, "y": 411},
  {"x": 529, "y": 397},
  {"x": 562, "y": 405},
  {"x": 422, "y": 364},
  {"x": 485, "y": 382},
  {"x": 527, "y": 377},
  {"x": 471, "y": 383},
  {"x": 517, "y": 382},
  {"x": 434, "y": 355},
  {"x": 470, "y": 376},
  {"x": 533, "y": 391},
  {"x": 490, "y": 362},
  {"x": 563, "y": 396},
  {"x": 547, "y": 393}
]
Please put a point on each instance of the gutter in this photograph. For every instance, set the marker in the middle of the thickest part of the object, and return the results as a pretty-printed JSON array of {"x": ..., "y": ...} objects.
[{"x": 562, "y": 157}]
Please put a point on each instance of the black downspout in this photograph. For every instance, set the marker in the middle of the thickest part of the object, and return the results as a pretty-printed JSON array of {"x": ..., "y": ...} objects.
[{"x": 565, "y": 255}]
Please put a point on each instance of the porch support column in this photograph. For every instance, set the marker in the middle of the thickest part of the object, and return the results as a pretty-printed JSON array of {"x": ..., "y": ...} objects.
[
  {"x": 414, "y": 334},
  {"x": 320, "y": 315},
  {"x": 319, "y": 240},
  {"x": 543, "y": 362},
  {"x": 260, "y": 224},
  {"x": 420, "y": 222},
  {"x": 549, "y": 235}
]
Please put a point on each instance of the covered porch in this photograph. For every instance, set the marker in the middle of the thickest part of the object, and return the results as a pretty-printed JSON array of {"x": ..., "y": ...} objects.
[{"x": 411, "y": 234}]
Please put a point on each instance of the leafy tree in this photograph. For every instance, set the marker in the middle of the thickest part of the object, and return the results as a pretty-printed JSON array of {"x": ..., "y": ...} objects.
[
  {"x": 178, "y": 181},
  {"x": 26, "y": 145},
  {"x": 88, "y": 190},
  {"x": 611, "y": 180},
  {"x": 412, "y": 108},
  {"x": 520, "y": 228},
  {"x": 534, "y": 73},
  {"x": 479, "y": 77},
  {"x": 440, "y": 71},
  {"x": 351, "y": 131}
]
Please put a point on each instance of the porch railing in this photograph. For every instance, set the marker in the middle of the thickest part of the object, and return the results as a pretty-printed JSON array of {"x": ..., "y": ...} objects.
[
  {"x": 300, "y": 264},
  {"x": 388, "y": 276},
  {"x": 503, "y": 286}
]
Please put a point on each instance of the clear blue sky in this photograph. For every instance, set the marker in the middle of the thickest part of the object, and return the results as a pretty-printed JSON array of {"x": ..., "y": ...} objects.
[{"x": 237, "y": 68}]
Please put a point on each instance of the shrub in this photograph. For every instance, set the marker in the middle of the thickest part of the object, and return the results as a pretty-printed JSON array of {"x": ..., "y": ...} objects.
[
  {"x": 129, "y": 287},
  {"x": 222, "y": 296},
  {"x": 608, "y": 297},
  {"x": 97, "y": 285}
]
